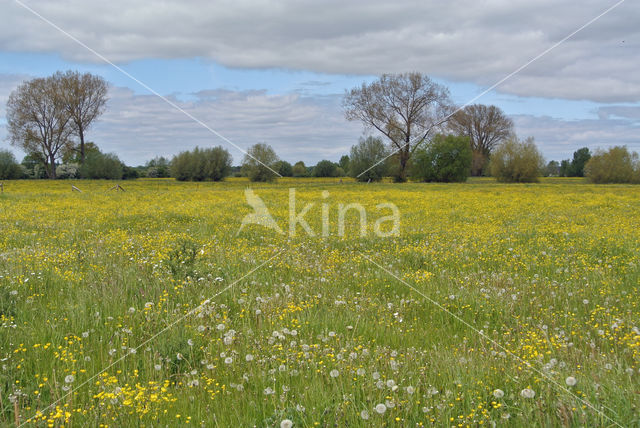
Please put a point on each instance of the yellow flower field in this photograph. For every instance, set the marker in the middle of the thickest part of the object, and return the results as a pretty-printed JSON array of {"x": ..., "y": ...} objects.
[{"x": 514, "y": 305}]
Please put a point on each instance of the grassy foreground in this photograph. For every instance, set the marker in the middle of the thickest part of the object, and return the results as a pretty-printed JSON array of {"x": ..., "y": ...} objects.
[{"x": 509, "y": 304}]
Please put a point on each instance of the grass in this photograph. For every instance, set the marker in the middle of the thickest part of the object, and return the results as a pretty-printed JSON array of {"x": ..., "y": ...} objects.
[{"x": 320, "y": 334}]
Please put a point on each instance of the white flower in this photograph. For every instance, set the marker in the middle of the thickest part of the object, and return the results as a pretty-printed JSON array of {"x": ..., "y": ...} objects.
[
  {"x": 132, "y": 310},
  {"x": 220, "y": 327},
  {"x": 375, "y": 375},
  {"x": 286, "y": 423},
  {"x": 390, "y": 383},
  {"x": 268, "y": 391},
  {"x": 228, "y": 360},
  {"x": 571, "y": 381},
  {"x": 201, "y": 328},
  {"x": 248, "y": 357},
  {"x": 360, "y": 372},
  {"x": 498, "y": 393},
  {"x": 69, "y": 378},
  {"x": 85, "y": 334},
  {"x": 209, "y": 366},
  {"x": 381, "y": 408},
  {"x": 334, "y": 373},
  {"x": 528, "y": 393},
  {"x": 148, "y": 305},
  {"x": 364, "y": 415},
  {"x": 410, "y": 390},
  {"x": 157, "y": 367},
  {"x": 190, "y": 342}
]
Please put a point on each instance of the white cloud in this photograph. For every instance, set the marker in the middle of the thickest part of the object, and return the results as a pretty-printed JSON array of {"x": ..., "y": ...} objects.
[{"x": 465, "y": 40}]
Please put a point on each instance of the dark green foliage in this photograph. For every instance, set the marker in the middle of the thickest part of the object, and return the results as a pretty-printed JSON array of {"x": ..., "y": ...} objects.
[
  {"x": 517, "y": 161},
  {"x": 344, "y": 163},
  {"x": 368, "y": 160},
  {"x": 552, "y": 169},
  {"x": 616, "y": 165},
  {"x": 10, "y": 169},
  {"x": 299, "y": 169},
  {"x": 445, "y": 159},
  {"x": 212, "y": 164},
  {"x": 158, "y": 167},
  {"x": 259, "y": 163},
  {"x": 325, "y": 168},
  {"x": 284, "y": 168},
  {"x": 101, "y": 166},
  {"x": 565, "y": 168},
  {"x": 580, "y": 159},
  {"x": 129, "y": 173}
]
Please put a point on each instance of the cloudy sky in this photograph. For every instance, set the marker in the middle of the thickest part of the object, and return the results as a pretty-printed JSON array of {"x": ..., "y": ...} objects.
[{"x": 275, "y": 72}]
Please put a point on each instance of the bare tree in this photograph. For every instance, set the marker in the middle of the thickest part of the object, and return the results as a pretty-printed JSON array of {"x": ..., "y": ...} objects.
[
  {"x": 37, "y": 120},
  {"x": 405, "y": 108},
  {"x": 84, "y": 97},
  {"x": 486, "y": 127}
]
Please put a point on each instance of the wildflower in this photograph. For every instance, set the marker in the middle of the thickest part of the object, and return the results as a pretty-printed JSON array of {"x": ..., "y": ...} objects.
[
  {"x": 334, "y": 373},
  {"x": 571, "y": 381},
  {"x": 85, "y": 334},
  {"x": 410, "y": 390},
  {"x": 248, "y": 357},
  {"x": 158, "y": 367},
  {"x": 69, "y": 378},
  {"x": 132, "y": 310},
  {"x": 381, "y": 408},
  {"x": 201, "y": 328},
  {"x": 190, "y": 342},
  {"x": 364, "y": 415},
  {"x": 498, "y": 393},
  {"x": 528, "y": 393},
  {"x": 375, "y": 375},
  {"x": 228, "y": 360},
  {"x": 268, "y": 391},
  {"x": 286, "y": 423}
]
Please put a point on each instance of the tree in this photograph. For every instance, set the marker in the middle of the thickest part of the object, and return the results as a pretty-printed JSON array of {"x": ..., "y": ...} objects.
[
  {"x": 37, "y": 120},
  {"x": 405, "y": 108},
  {"x": 299, "y": 169},
  {"x": 259, "y": 162},
  {"x": 99, "y": 165},
  {"x": 202, "y": 164},
  {"x": 284, "y": 168},
  {"x": 580, "y": 159},
  {"x": 486, "y": 127},
  {"x": 344, "y": 163},
  {"x": 617, "y": 165},
  {"x": 325, "y": 168},
  {"x": 367, "y": 153},
  {"x": 565, "y": 168},
  {"x": 552, "y": 169},
  {"x": 158, "y": 167},
  {"x": 34, "y": 165},
  {"x": 10, "y": 169},
  {"x": 444, "y": 159},
  {"x": 84, "y": 97},
  {"x": 517, "y": 161}
]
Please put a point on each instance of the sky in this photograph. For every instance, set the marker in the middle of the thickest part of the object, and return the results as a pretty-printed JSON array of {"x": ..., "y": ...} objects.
[{"x": 276, "y": 72}]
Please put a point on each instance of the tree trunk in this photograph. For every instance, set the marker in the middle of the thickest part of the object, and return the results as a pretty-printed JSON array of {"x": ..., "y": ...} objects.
[
  {"x": 478, "y": 163},
  {"x": 81, "y": 135},
  {"x": 52, "y": 167}
]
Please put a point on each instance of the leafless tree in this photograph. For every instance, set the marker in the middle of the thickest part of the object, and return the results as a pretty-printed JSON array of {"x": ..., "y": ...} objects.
[
  {"x": 405, "y": 108},
  {"x": 37, "y": 120},
  {"x": 84, "y": 97},
  {"x": 486, "y": 127}
]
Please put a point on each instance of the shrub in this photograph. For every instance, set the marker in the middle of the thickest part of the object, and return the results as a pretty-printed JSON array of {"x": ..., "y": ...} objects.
[
  {"x": 67, "y": 170},
  {"x": 445, "y": 159},
  {"x": 299, "y": 169},
  {"x": 616, "y": 165},
  {"x": 517, "y": 161},
  {"x": 212, "y": 164},
  {"x": 368, "y": 160},
  {"x": 101, "y": 166},
  {"x": 10, "y": 169},
  {"x": 259, "y": 163},
  {"x": 325, "y": 168},
  {"x": 284, "y": 168}
]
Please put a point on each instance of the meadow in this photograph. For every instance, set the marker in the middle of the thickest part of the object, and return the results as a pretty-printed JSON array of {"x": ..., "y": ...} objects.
[{"x": 497, "y": 305}]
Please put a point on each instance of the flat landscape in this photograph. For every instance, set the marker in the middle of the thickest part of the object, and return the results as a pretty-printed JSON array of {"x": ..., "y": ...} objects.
[{"x": 507, "y": 304}]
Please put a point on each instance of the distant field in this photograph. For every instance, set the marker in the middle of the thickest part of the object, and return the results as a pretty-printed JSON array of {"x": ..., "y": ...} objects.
[{"x": 492, "y": 300}]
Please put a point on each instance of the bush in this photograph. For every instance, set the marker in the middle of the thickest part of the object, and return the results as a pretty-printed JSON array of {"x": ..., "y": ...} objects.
[
  {"x": 444, "y": 159},
  {"x": 10, "y": 169},
  {"x": 158, "y": 167},
  {"x": 101, "y": 166},
  {"x": 212, "y": 164},
  {"x": 284, "y": 168},
  {"x": 517, "y": 161},
  {"x": 616, "y": 165},
  {"x": 368, "y": 160},
  {"x": 259, "y": 163},
  {"x": 67, "y": 170},
  {"x": 325, "y": 168},
  {"x": 299, "y": 169}
]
